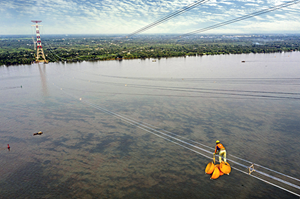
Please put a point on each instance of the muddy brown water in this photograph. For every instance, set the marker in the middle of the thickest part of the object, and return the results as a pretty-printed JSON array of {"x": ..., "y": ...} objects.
[{"x": 252, "y": 107}]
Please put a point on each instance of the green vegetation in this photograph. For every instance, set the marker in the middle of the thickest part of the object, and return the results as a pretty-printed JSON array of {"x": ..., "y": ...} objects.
[{"x": 19, "y": 50}]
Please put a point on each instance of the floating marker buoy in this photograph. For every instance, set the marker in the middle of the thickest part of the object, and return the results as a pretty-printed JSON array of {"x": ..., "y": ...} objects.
[
  {"x": 8, "y": 147},
  {"x": 21, "y": 86}
]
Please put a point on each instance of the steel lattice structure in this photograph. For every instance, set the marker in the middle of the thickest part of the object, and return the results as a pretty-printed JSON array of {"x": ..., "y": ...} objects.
[{"x": 40, "y": 56}]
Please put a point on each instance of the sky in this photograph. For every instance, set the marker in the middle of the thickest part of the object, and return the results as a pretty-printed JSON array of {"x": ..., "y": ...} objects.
[{"x": 126, "y": 16}]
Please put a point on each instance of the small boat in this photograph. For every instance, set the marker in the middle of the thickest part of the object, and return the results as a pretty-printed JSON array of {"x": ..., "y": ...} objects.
[
  {"x": 243, "y": 61},
  {"x": 38, "y": 133}
]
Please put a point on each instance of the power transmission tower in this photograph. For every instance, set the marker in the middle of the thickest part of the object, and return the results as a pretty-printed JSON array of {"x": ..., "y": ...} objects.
[{"x": 40, "y": 57}]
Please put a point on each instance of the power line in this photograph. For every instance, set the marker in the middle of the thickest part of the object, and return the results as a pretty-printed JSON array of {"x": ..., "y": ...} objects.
[
  {"x": 242, "y": 18},
  {"x": 50, "y": 50},
  {"x": 168, "y": 17},
  {"x": 222, "y": 92},
  {"x": 187, "y": 145}
]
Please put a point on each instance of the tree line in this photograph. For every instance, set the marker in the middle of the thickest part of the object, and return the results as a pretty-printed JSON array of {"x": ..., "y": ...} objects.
[{"x": 75, "y": 48}]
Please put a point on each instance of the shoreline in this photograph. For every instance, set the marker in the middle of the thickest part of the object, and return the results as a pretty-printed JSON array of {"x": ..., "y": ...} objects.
[{"x": 153, "y": 58}]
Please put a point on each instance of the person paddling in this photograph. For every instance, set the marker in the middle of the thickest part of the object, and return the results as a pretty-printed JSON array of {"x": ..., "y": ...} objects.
[{"x": 221, "y": 150}]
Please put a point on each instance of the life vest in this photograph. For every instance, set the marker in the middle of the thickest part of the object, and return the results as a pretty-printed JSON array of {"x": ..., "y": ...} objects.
[{"x": 220, "y": 147}]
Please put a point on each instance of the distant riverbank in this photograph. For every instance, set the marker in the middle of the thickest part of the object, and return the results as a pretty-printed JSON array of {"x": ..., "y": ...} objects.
[
  {"x": 16, "y": 51},
  {"x": 111, "y": 58}
]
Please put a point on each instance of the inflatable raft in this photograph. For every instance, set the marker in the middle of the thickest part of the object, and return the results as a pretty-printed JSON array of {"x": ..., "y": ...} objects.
[{"x": 217, "y": 170}]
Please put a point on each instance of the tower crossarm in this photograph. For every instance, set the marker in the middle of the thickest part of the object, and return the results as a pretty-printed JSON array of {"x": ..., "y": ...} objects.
[{"x": 36, "y": 21}]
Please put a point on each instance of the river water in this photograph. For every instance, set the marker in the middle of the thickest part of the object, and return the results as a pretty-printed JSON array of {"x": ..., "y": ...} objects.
[{"x": 126, "y": 129}]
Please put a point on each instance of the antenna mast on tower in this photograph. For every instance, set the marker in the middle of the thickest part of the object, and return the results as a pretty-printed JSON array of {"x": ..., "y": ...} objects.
[{"x": 40, "y": 57}]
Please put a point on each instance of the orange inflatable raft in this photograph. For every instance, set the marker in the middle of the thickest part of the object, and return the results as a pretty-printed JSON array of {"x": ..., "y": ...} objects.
[
  {"x": 218, "y": 166},
  {"x": 217, "y": 170},
  {"x": 225, "y": 167},
  {"x": 215, "y": 174},
  {"x": 210, "y": 168}
]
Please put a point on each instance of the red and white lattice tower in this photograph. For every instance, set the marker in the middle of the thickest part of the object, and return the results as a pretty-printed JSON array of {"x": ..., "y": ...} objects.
[{"x": 39, "y": 48}]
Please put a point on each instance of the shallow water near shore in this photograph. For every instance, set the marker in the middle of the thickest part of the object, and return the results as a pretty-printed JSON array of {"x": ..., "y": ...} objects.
[{"x": 92, "y": 148}]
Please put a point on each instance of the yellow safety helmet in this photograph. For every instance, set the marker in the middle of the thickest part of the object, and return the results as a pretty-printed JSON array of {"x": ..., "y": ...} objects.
[{"x": 217, "y": 141}]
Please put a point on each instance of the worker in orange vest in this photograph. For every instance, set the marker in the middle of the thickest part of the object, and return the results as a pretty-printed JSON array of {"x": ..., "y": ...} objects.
[{"x": 221, "y": 150}]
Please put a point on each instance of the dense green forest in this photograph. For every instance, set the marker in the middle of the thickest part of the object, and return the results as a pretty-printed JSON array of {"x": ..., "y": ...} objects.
[{"x": 72, "y": 48}]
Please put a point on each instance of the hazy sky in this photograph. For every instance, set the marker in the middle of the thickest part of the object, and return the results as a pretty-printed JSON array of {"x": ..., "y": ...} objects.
[{"x": 126, "y": 16}]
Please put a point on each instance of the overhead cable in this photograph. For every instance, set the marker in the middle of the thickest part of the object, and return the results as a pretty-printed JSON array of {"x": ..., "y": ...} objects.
[
  {"x": 168, "y": 17},
  {"x": 204, "y": 152},
  {"x": 242, "y": 18}
]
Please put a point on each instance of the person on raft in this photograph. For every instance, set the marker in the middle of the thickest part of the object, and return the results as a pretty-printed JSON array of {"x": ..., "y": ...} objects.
[{"x": 221, "y": 150}]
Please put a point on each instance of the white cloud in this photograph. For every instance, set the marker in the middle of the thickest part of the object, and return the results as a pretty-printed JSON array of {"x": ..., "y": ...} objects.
[
  {"x": 276, "y": 26},
  {"x": 258, "y": 18},
  {"x": 280, "y": 16},
  {"x": 125, "y": 16},
  {"x": 251, "y": 4},
  {"x": 227, "y": 3},
  {"x": 269, "y": 17}
]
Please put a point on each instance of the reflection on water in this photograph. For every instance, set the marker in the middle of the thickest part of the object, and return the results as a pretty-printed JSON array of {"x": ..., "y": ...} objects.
[
  {"x": 252, "y": 107},
  {"x": 43, "y": 79}
]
